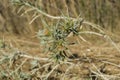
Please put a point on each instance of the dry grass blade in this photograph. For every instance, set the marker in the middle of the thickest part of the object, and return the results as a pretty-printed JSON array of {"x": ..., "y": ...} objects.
[{"x": 36, "y": 58}]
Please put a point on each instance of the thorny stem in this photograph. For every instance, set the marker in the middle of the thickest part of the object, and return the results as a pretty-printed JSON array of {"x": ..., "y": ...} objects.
[{"x": 84, "y": 22}]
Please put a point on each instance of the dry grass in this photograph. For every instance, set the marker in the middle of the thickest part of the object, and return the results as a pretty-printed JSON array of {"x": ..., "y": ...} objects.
[
  {"x": 63, "y": 53},
  {"x": 90, "y": 63}
]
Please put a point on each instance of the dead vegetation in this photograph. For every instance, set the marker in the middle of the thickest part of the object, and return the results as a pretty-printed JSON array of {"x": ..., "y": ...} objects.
[{"x": 61, "y": 50}]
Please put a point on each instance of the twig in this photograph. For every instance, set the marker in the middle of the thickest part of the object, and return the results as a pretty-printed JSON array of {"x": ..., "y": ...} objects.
[
  {"x": 19, "y": 66},
  {"x": 34, "y": 19},
  {"x": 112, "y": 42},
  {"x": 52, "y": 71},
  {"x": 91, "y": 32},
  {"x": 36, "y": 58},
  {"x": 99, "y": 72},
  {"x": 111, "y": 63},
  {"x": 45, "y": 14}
]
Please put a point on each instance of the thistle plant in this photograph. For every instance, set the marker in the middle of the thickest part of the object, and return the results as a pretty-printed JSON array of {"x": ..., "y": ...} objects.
[{"x": 54, "y": 38}]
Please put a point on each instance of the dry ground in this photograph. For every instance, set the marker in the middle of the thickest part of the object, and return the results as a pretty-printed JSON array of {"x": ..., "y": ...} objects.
[{"x": 92, "y": 58}]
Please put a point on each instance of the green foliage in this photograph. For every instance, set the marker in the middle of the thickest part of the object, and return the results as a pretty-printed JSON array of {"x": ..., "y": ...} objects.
[
  {"x": 2, "y": 44},
  {"x": 54, "y": 37}
]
